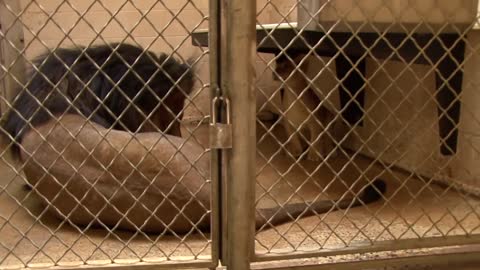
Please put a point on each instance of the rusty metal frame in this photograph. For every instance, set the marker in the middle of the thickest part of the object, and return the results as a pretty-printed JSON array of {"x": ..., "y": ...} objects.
[{"x": 239, "y": 87}]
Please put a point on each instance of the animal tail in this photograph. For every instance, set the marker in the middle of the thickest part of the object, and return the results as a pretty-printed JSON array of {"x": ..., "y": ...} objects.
[{"x": 282, "y": 214}]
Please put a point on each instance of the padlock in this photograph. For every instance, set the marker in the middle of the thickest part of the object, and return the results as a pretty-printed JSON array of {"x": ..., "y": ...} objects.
[{"x": 220, "y": 133}]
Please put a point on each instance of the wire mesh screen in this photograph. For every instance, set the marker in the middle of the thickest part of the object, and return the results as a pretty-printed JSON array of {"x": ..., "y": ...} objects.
[
  {"x": 115, "y": 86},
  {"x": 360, "y": 98}
]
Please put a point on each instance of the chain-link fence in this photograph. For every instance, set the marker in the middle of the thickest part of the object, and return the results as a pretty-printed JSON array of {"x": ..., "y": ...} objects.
[
  {"x": 102, "y": 104},
  {"x": 366, "y": 132},
  {"x": 357, "y": 91}
]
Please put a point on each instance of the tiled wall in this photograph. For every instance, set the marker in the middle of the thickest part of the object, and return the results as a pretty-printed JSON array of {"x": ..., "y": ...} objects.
[
  {"x": 50, "y": 20},
  {"x": 162, "y": 26}
]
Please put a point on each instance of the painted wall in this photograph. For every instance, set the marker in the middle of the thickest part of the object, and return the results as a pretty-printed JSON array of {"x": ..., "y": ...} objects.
[
  {"x": 401, "y": 117},
  {"x": 161, "y": 26}
]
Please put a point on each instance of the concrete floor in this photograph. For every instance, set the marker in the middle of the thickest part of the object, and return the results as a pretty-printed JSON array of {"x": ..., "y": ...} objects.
[{"x": 413, "y": 209}]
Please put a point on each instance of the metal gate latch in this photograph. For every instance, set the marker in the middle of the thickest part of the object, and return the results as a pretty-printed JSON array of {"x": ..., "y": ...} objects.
[{"x": 220, "y": 133}]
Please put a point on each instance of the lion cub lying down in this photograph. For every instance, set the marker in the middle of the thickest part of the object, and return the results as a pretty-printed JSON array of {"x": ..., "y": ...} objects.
[{"x": 303, "y": 115}]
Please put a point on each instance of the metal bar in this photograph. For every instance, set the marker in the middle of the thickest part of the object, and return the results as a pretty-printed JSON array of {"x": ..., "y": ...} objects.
[
  {"x": 104, "y": 265},
  {"x": 11, "y": 42},
  {"x": 222, "y": 65},
  {"x": 390, "y": 245},
  {"x": 441, "y": 260},
  {"x": 240, "y": 52},
  {"x": 216, "y": 155}
]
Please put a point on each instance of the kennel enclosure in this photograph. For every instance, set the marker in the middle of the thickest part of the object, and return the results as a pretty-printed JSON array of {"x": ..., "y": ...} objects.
[{"x": 400, "y": 77}]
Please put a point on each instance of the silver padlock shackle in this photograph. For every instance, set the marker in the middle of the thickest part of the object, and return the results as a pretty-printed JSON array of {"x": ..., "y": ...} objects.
[{"x": 214, "y": 110}]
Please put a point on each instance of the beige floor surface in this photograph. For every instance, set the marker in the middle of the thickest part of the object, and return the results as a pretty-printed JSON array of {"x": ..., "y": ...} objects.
[{"x": 413, "y": 209}]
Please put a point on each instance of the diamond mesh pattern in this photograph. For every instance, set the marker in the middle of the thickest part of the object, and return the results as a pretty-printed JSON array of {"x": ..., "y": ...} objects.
[
  {"x": 397, "y": 76},
  {"x": 393, "y": 87},
  {"x": 30, "y": 234}
]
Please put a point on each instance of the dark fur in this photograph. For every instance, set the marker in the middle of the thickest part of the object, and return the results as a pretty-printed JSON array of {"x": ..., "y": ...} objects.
[{"x": 60, "y": 82}]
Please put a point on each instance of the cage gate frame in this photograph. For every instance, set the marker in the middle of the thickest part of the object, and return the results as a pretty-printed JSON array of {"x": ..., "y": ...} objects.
[
  {"x": 457, "y": 250},
  {"x": 12, "y": 74}
]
